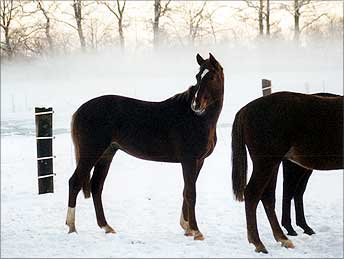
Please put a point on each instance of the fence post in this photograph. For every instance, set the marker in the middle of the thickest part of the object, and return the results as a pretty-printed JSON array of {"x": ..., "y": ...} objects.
[
  {"x": 266, "y": 87},
  {"x": 44, "y": 139}
]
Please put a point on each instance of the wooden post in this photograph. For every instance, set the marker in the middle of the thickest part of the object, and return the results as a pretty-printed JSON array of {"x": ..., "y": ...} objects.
[
  {"x": 44, "y": 139},
  {"x": 266, "y": 87}
]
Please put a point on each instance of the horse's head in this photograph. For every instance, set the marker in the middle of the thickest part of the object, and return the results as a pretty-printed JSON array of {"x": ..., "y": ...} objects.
[{"x": 209, "y": 87}]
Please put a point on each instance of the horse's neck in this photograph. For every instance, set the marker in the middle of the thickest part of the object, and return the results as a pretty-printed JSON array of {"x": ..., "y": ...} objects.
[{"x": 215, "y": 109}]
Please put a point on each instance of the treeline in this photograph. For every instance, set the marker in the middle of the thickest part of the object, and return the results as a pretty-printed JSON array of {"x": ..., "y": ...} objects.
[{"x": 37, "y": 27}]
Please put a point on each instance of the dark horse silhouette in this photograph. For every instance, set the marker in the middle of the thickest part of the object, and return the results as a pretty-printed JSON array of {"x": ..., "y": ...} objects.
[
  {"x": 295, "y": 179},
  {"x": 181, "y": 129},
  {"x": 306, "y": 129}
]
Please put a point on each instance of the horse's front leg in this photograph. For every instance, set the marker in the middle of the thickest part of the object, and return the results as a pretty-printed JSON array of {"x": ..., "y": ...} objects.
[
  {"x": 298, "y": 199},
  {"x": 290, "y": 181},
  {"x": 184, "y": 216},
  {"x": 191, "y": 169}
]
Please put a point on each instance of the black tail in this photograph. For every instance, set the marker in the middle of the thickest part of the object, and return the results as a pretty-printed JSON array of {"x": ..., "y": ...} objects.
[
  {"x": 86, "y": 186},
  {"x": 239, "y": 158}
]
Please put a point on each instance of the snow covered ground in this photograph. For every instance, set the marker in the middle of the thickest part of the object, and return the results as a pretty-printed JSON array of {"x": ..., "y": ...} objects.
[{"x": 142, "y": 199}]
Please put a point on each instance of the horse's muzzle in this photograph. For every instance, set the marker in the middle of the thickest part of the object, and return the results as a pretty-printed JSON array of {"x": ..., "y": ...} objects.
[{"x": 196, "y": 108}]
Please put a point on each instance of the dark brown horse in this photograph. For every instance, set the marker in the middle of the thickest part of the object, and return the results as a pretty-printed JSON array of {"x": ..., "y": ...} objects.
[
  {"x": 305, "y": 129},
  {"x": 295, "y": 179},
  {"x": 181, "y": 129}
]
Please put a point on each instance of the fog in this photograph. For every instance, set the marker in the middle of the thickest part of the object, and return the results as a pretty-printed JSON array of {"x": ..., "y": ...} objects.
[{"x": 65, "y": 82}]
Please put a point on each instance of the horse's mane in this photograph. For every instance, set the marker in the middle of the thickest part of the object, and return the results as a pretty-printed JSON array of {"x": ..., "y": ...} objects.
[{"x": 184, "y": 96}]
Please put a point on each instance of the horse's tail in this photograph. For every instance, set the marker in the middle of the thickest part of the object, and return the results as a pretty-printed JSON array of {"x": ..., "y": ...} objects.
[
  {"x": 86, "y": 186},
  {"x": 239, "y": 158}
]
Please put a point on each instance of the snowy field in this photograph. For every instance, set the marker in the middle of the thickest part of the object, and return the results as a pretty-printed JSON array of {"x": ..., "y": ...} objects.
[{"x": 142, "y": 199}]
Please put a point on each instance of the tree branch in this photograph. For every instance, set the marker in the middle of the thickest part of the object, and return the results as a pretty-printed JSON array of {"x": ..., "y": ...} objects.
[{"x": 313, "y": 20}]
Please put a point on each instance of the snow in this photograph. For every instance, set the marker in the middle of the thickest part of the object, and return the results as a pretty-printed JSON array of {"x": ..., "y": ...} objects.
[{"x": 142, "y": 199}]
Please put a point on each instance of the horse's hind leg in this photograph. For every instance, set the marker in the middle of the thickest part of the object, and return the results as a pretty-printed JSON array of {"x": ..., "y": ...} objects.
[
  {"x": 75, "y": 183},
  {"x": 269, "y": 200},
  {"x": 298, "y": 199},
  {"x": 253, "y": 192},
  {"x": 97, "y": 182}
]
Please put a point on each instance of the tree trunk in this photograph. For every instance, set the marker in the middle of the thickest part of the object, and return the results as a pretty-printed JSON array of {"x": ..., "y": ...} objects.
[
  {"x": 8, "y": 43},
  {"x": 296, "y": 20},
  {"x": 78, "y": 18},
  {"x": 268, "y": 17},
  {"x": 47, "y": 27},
  {"x": 47, "y": 33},
  {"x": 157, "y": 12},
  {"x": 260, "y": 18},
  {"x": 120, "y": 32}
]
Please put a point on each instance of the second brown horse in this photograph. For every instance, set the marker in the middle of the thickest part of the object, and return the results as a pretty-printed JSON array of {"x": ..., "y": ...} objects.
[{"x": 306, "y": 129}]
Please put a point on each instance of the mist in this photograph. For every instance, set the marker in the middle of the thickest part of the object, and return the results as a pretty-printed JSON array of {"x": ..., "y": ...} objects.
[{"x": 65, "y": 82}]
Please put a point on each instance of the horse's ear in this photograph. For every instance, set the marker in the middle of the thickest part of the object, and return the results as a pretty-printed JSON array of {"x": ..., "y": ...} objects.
[
  {"x": 200, "y": 60},
  {"x": 212, "y": 60}
]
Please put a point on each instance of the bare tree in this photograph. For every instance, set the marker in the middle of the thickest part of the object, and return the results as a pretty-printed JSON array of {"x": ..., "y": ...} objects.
[
  {"x": 79, "y": 14},
  {"x": 118, "y": 11},
  {"x": 98, "y": 33},
  {"x": 297, "y": 10},
  {"x": 259, "y": 7},
  {"x": 8, "y": 10},
  {"x": 19, "y": 31},
  {"x": 196, "y": 22},
  {"x": 47, "y": 28},
  {"x": 263, "y": 9},
  {"x": 159, "y": 11}
]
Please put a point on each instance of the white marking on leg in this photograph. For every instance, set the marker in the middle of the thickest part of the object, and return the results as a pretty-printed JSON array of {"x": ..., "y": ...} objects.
[
  {"x": 184, "y": 224},
  {"x": 70, "y": 216},
  {"x": 70, "y": 221}
]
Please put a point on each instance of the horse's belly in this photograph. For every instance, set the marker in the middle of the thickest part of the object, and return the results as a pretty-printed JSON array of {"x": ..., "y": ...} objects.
[
  {"x": 149, "y": 151},
  {"x": 317, "y": 161},
  {"x": 152, "y": 156}
]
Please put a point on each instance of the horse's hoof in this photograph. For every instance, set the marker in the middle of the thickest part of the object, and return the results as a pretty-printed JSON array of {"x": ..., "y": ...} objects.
[
  {"x": 292, "y": 233},
  {"x": 287, "y": 243},
  {"x": 72, "y": 229},
  {"x": 261, "y": 249},
  {"x": 198, "y": 236},
  {"x": 195, "y": 233},
  {"x": 108, "y": 229},
  {"x": 290, "y": 230},
  {"x": 309, "y": 231}
]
